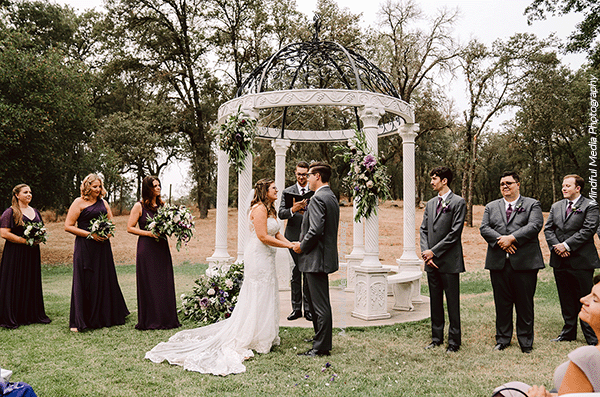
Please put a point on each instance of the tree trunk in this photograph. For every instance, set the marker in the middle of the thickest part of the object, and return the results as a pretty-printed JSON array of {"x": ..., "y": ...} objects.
[{"x": 471, "y": 177}]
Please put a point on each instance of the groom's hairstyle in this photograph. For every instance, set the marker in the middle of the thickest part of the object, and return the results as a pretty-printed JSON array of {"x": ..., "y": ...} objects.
[
  {"x": 322, "y": 169},
  {"x": 442, "y": 172}
]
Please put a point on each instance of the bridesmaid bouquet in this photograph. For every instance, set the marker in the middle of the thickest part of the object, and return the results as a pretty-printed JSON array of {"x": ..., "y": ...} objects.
[
  {"x": 215, "y": 294},
  {"x": 171, "y": 220},
  {"x": 101, "y": 226},
  {"x": 35, "y": 232}
]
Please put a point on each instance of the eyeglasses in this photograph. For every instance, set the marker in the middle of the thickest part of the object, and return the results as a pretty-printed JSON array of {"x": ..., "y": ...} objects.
[
  {"x": 507, "y": 184},
  {"x": 302, "y": 174}
]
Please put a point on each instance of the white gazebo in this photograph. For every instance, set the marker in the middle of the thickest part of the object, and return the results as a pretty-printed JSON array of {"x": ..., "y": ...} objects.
[{"x": 293, "y": 79}]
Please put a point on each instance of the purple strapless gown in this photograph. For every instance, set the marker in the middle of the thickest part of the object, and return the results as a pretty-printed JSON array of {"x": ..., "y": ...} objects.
[
  {"x": 21, "y": 299},
  {"x": 157, "y": 307},
  {"x": 96, "y": 298}
]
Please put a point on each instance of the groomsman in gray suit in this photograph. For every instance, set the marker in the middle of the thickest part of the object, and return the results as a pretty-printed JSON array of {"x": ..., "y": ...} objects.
[
  {"x": 292, "y": 232},
  {"x": 510, "y": 226},
  {"x": 441, "y": 250},
  {"x": 569, "y": 231},
  {"x": 319, "y": 255}
]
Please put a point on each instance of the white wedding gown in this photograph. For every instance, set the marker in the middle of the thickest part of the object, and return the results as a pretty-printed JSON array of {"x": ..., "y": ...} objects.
[{"x": 220, "y": 348}]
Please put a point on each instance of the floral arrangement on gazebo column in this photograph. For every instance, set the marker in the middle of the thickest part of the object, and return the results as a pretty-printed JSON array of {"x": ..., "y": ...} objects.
[
  {"x": 367, "y": 179},
  {"x": 235, "y": 138}
]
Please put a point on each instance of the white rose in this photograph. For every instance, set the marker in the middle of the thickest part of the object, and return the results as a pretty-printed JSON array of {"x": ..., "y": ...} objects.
[
  {"x": 229, "y": 283},
  {"x": 210, "y": 291},
  {"x": 176, "y": 218},
  {"x": 369, "y": 184}
]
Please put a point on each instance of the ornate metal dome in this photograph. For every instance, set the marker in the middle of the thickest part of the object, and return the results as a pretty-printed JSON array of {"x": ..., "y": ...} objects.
[{"x": 319, "y": 65}]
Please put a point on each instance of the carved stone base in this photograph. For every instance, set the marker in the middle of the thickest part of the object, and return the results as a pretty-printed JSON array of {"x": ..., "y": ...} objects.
[
  {"x": 284, "y": 264},
  {"x": 219, "y": 260},
  {"x": 370, "y": 294},
  {"x": 353, "y": 261}
]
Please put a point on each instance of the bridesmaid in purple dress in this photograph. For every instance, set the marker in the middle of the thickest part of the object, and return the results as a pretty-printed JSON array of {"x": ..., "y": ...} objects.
[
  {"x": 21, "y": 299},
  {"x": 96, "y": 298},
  {"x": 157, "y": 308}
]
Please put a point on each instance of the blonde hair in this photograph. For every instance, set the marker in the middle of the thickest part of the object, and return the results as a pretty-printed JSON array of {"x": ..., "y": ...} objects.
[
  {"x": 17, "y": 213},
  {"x": 86, "y": 186}
]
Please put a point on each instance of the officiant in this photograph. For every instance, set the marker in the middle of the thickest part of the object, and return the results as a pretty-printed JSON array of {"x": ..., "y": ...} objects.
[{"x": 293, "y": 204}]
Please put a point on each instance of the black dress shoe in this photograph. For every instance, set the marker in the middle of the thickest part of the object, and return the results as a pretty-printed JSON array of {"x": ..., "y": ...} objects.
[
  {"x": 527, "y": 350},
  {"x": 308, "y": 316},
  {"x": 501, "y": 346},
  {"x": 314, "y": 353},
  {"x": 452, "y": 348},
  {"x": 294, "y": 315},
  {"x": 432, "y": 345},
  {"x": 562, "y": 338}
]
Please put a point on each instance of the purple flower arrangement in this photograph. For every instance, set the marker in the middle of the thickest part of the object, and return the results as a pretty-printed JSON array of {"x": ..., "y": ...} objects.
[
  {"x": 367, "y": 180},
  {"x": 171, "y": 220},
  {"x": 235, "y": 138},
  {"x": 214, "y": 294}
]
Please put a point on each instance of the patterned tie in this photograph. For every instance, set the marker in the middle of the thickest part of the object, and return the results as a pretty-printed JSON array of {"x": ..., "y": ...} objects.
[
  {"x": 439, "y": 206},
  {"x": 509, "y": 211},
  {"x": 569, "y": 209}
]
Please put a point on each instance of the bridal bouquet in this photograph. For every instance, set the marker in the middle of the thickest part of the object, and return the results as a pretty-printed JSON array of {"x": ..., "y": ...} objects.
[
  {"x": 214, "y": 295},
  {"x": 367, "y": 179},
  {"x": 35, "y": 232},
  {"x": 171, "y": 220},
  {"x": 102, "y": 226},
  {"x": 235, "y": 138}
]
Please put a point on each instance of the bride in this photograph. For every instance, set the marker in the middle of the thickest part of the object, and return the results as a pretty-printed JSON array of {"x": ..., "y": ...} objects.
[{"x": 220, "y": 348}]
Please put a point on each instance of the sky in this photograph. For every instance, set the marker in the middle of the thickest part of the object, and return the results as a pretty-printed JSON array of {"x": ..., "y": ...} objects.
[{"x": 485, "y": 20}]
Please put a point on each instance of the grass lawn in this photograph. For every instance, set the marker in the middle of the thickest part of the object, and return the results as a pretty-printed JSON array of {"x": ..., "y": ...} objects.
[{"x": 373, "y": 361}]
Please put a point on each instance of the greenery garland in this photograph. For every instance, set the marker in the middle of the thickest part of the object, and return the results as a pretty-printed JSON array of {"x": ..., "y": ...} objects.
[
  {"x": 367, "y": 179},
  {"x": 235, "y": 138}
]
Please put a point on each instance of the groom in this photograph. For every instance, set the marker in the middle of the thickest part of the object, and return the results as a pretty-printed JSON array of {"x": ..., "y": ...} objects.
[{"x": 318, "y": 254}]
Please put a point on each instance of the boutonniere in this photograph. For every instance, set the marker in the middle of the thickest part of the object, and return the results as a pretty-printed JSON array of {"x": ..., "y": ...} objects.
[
  {"x": 519, "y": 208},
  {"x": 445, "y": 206},
  {"x": 576, "y": 210}
]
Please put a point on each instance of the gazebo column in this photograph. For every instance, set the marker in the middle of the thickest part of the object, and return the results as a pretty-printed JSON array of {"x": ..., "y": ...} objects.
[
  {"x": 244, "y": 188},
  {"x": 220, "y": 256},
  {"x": 409, "y": 261},
  {"x": 355, "y": 258},
  {"x": 370, "y": 295},
  {"x": 283, "y": 258}
]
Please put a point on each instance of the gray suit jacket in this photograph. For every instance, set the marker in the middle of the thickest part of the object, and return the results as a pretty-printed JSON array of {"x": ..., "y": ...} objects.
[
  {"x": 577, "y": 230},
  {"x": 292, "y": 229},
  {"x": 318, "y": 234},
  {"x": 441, "y": 233},
  {"x": 525, "y": 223}
]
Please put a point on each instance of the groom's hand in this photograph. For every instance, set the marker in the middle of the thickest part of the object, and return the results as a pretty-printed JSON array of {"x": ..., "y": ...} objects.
[{"x": 296, "y": 247}]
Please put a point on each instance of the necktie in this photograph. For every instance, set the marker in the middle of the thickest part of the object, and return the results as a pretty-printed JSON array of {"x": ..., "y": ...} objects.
[
  {"x": 302, "y": 191},
  {"x": 569, "y": 209},
  {"x": 509, "y": 211},
  {"x": 439, "y": 206}
]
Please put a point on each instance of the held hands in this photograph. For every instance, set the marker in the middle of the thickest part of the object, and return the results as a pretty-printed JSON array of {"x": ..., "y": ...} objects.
[
  {"x": 296, "y": 247},
  {"x": 507, "y": 243},
  {"x": 561, "y": 250},
  {"x": 98, "y": 238}
]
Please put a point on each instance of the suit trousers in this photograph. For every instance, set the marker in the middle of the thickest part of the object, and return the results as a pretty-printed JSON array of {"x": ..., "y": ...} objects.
[
  {"x": 572, "y": 285},
  {"x": 298, "y": 287},
  {"x": 320, "y": 307},
  {"x": 448, "y": 284},
  {"x": 514, "y": 288}
]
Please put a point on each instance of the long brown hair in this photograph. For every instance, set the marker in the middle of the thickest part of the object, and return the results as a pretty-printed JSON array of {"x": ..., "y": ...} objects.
[
  {"x": 260, "y": 195},
  {"x": 17, "y": 213},
  {"x": 148, "y": 192}
]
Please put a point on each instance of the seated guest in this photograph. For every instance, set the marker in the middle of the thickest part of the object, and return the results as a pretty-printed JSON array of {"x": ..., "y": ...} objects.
[{"x": 578, "y": 375}]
